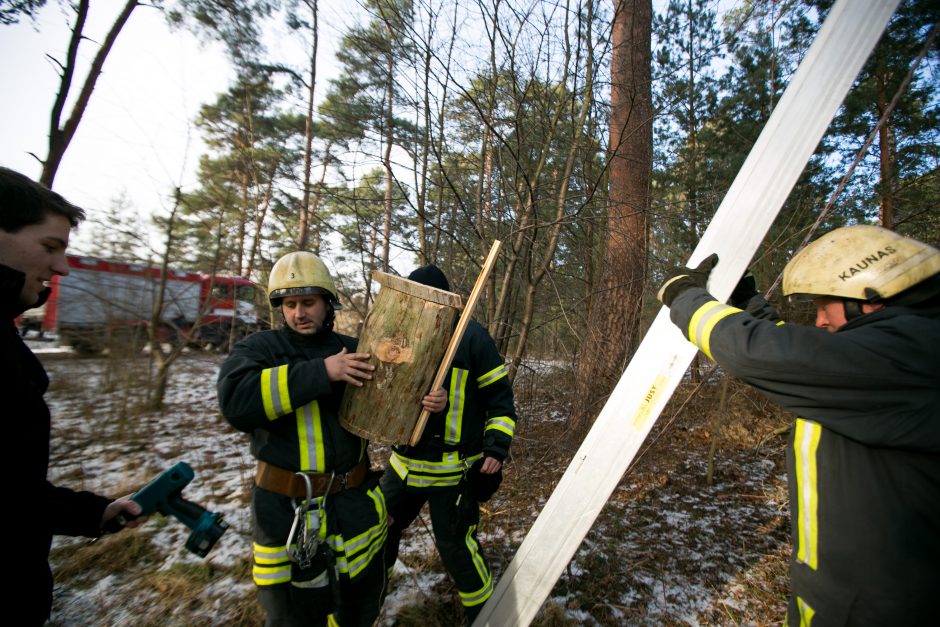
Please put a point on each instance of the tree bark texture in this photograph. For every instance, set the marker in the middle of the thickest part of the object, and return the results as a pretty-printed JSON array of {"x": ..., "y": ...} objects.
[
  {"x": 615, "y": 312},
  {"x": 887, "y": 154},
  {"x": 60, "y": 135}
]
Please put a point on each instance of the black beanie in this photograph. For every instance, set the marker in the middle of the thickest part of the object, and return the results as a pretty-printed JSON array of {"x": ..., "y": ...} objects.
[{"x": 431, "y": 276}]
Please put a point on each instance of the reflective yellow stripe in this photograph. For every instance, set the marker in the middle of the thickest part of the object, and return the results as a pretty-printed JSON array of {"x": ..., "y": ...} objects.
[
  {"x": 501, "y": 423},
  {"x": 477, "y": 596},
  {"x": 450, "y": 462},
  {"x": 270, "y": 575},
  {"x": 806, "y": 612},
  {"x": 310, "y": 438},
  {"x": 270, "y": 554},
  {"x": 492, "y": 376},
  {"x": 480, "y": 596},
  {"x": 320, "y": 581},
  {"x": 275, "y": 395},
  {"x": 355, "y": 554},
  {"x": 417, "y": 481},
  {"x": 400, "y": 468},
  {"x": 805, "y": 443},
  {"x": 421, "y": 473},
  {"x": 267, "y": 398},
  {"x": 697, "y": 319},
  {"x": 703, "y": 322},
  {"x": 316, "y": 517},
  {"x": 453, "y": 423},
  {"x": 709, "y": 325}
]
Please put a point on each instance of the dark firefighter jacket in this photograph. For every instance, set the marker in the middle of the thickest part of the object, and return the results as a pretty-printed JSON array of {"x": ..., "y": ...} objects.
[
  {"x": 48, "y": 509},
  {"x": 864, "y": 456},
  {"x": 480, "y": 417},
  {"x": 274, "y": 387}
]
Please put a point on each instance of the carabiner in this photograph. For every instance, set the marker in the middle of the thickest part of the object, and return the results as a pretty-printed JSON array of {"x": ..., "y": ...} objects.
[
  {"x": 329, "y": 485},
  {"x": 303, "y": 553}
]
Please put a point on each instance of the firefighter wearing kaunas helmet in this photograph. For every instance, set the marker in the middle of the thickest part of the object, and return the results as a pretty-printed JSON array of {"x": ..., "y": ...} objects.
[
  {"x": 319, "y": 555},
  {"x": 861, "y": 264},
  {"x": 863, "y": 460}
]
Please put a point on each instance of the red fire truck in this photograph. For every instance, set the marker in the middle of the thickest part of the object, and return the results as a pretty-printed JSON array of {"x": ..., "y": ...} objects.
[{"x": 102, "y": 301}]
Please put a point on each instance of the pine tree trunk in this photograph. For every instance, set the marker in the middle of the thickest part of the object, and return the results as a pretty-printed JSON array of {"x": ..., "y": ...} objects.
[{"x": 615, "y": 313}]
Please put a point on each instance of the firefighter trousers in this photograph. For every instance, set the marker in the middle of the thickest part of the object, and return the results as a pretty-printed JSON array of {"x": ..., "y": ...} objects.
[
  {"x": 454, "y": 519},
  {"x": 295, "y": 597},
  {"x": 288, "y": 606}
]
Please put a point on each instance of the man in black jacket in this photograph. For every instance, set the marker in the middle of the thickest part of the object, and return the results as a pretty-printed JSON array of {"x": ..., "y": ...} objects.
[
  {"x": 318, "y": 514},
  {"x": 458, "y": 461},
  {"x": 864, "y": 458},
  {"x": 34, "y": 232}
]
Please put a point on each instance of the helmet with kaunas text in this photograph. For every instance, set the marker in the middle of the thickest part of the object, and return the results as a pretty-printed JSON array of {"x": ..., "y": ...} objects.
[
  {"x": 861, "y": 262},
  {"x": 300, "y": 274}
]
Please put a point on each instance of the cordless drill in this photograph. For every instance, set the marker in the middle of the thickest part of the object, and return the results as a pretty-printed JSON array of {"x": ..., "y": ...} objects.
[{"x": 162, "y": 495}]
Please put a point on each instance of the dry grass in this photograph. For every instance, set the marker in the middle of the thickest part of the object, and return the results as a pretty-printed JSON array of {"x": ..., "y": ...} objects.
[
  {"x": 733, "y": 551},
  {"x": 440, "y": 609},
  {"x": 667, "y": 549},
  {"x": 106, "y": 556},
  {"x": 173, "y": 595}
]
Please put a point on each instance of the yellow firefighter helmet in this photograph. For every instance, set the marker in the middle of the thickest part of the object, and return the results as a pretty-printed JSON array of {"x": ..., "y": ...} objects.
[
  {"x": 301, "y": 273},
  {"x": 861, "y": 262}
]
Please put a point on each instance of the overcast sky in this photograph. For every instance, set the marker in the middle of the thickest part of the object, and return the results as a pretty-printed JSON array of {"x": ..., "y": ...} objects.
[
  {"x": 136, "y": 137},
  {"x": 136, "y": 133}
]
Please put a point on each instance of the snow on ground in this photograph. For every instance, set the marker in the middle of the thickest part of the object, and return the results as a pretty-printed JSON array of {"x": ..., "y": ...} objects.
[{"x": 667, "y": 549}]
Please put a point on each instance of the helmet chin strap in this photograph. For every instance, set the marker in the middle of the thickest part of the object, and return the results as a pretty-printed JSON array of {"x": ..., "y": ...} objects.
[
  {"x": 853, "y": 309},
  {"x": 330, "y": 317}
]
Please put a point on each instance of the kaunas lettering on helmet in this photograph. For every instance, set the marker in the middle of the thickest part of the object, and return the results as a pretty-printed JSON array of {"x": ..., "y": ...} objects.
[{"x": 887, "y": 251}]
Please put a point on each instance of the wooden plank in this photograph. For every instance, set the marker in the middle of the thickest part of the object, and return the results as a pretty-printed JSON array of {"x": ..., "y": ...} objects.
[
  {"x": 458, "y": 335},
  {"x": 773, "y": 166}
]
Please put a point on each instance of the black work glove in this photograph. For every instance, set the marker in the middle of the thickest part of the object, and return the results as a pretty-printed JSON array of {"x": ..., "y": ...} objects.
[
  {"x": 686, "y": 278},
  {"x": 745, "y": 290}
]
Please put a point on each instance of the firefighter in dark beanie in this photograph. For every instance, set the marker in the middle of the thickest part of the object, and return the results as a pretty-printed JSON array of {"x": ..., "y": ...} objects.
[
  {"x": 864, "y": 454},
  {"x": 457, "y": 462},
  {"x": 35, "y": 224}
]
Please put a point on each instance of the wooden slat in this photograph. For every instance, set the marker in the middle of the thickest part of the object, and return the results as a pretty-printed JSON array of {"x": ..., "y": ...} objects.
[{"x": 458, "y": 335}]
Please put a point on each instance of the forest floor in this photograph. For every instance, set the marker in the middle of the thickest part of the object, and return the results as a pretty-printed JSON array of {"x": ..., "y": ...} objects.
[{"x": 668, "y": 548}]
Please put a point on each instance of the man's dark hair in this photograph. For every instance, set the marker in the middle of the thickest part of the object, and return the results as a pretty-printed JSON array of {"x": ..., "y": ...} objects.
[{"x": 24, "y": 202}]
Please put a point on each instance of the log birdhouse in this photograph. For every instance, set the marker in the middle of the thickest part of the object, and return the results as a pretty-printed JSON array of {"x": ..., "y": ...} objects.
[{"x": 407, "y": 333}]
